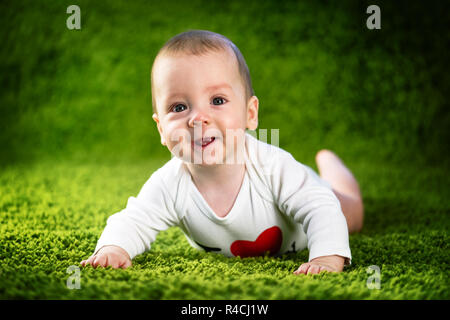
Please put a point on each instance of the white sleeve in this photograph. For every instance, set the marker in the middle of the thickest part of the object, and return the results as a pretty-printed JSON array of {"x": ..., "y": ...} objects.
[
  {"x": 136, "y": 227},
  {"x": 300, "y": 194}
]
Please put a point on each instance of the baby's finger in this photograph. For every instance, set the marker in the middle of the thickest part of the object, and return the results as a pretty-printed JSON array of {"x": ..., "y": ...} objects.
[
  {"x": 114, "y": 263},
  {"x": 126, "y": 264},
  {"x": 314, "y": 269},
  {"x": 297, "y": 271},
  {"x": 88, "y": 261},
  {"x": 325, "y": 269},
  {"x": 99, "y": 261},
  {"x": 303, "y": 268}
]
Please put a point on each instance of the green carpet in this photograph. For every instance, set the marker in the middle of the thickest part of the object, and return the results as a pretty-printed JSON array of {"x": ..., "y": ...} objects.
[
  {"x": 77, "y": 140},
  {"x": 53, "y": 214}
]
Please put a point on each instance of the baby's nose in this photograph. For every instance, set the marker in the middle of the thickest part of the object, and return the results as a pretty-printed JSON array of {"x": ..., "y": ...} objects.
[{"x": 199, "y": 119}]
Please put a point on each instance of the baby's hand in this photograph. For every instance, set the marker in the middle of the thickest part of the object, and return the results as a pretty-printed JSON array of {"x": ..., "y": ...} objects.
[
  {"x": 113, "y": 256},
  {"x": 326, "y": 263}
]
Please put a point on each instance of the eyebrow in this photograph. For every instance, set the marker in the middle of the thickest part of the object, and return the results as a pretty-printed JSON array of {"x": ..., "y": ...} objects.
[
  {"x": 219, "y": 86},
  {"x": 210, "y": 88}
]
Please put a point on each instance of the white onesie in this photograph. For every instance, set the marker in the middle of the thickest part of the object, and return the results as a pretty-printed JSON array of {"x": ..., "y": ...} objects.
[{"x": 282, "y": 206}]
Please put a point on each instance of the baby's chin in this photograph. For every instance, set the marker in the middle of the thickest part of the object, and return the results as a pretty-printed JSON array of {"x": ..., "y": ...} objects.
[
  {"x": 203, "y": 161},
  {"x": 209, "y": 161}
]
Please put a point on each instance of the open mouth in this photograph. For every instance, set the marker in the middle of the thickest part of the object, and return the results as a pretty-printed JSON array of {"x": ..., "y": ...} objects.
[{"x": 204, "y": 142}]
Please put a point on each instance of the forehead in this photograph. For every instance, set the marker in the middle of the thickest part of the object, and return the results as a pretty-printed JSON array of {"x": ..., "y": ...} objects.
[{"x": 188, "y": 71}]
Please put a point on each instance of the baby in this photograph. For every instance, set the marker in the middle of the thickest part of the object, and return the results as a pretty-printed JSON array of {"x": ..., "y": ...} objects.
[{"x": 229, "y": 192}]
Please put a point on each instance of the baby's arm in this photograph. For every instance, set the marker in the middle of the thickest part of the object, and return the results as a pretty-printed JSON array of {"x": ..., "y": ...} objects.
[
  {"x": 131, "y": 231},
  {"x": 111, "y": 255},
  {"x": 302, "y": 197}
]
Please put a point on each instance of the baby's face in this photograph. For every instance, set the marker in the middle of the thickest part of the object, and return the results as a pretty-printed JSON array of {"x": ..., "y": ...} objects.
[{"x": 200, "y": 101}]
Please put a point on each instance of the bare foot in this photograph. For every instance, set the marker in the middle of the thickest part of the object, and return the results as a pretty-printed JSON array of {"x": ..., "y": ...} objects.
[{"x": 333, "y": 170}]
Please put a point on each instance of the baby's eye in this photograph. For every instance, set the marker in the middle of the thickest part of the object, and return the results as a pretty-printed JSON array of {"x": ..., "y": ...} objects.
[
  {"x": 218, "y": 101},
  {"x": 179, "y": 108}
]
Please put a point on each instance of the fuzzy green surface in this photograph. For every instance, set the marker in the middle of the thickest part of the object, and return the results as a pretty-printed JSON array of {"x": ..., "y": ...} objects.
[
  {"x": 53, "y": 214},
  {"x": 77, "y": 139}
]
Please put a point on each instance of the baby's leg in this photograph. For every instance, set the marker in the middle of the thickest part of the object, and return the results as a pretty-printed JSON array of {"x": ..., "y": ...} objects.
[{"x": 344, "y": 185}]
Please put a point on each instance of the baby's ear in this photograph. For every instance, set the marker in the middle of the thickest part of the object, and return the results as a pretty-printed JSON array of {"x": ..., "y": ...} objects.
[
  {"x": 252, "y": 113},
  {"x": 158, "y": 125}
]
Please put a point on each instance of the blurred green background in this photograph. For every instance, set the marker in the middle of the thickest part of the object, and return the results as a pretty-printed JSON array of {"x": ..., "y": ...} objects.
[{"x": 322, "y": 77}]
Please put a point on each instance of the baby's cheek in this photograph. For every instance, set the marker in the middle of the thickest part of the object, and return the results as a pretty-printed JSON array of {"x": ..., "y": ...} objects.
[
  {"x": 175, "y": 135},
  {"x": 177, "y": 143},
  {"x": 235, "y": 124}
]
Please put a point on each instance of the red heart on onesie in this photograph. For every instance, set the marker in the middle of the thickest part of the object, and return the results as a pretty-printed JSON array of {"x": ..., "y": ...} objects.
[{"x": 269, "y": 240}]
